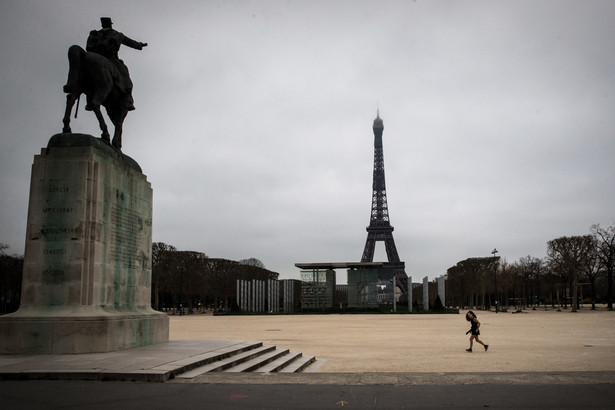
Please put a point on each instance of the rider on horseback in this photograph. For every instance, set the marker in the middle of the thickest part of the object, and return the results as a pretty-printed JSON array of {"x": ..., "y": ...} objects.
[{"x": 107, "y": 42}]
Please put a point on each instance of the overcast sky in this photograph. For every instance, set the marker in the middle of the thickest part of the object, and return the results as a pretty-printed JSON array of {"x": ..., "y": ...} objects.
[{"x": 254, "y": 122}]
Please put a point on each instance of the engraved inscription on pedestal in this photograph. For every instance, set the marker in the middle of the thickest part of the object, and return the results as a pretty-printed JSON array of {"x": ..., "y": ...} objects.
[{"x": 127, "y": 229}]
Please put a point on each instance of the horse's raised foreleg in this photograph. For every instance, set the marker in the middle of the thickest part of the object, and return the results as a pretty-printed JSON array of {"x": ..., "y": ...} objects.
[
  {"x": 101, "y": 122},
  {"x": 70, "y": 102}
]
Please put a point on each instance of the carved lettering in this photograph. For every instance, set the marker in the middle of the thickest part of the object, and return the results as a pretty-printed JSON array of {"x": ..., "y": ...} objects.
[
  {"x": 62, "y": 189},
  {"x": 127, "y": 234},
  {"x": 54, "y": 252},
  {"x": 47, "y": 230},
  {"x": 57, "y": 210},
  {"x": 53, "y": 275}
]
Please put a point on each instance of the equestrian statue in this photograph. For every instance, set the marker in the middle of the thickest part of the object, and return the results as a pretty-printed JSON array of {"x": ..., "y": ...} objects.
[{"x": 99, "y": 73}]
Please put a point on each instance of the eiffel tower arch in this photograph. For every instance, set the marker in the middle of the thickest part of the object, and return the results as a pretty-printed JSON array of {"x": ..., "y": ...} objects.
[{"x": 380, "y": 228}]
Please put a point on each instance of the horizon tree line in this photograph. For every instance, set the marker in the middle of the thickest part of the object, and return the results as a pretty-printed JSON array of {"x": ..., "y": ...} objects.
[
  {"x": 193, "y": 279},
  {"x": 574, "y": 265}
]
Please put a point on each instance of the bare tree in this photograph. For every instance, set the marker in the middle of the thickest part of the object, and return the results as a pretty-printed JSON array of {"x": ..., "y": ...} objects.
[
  {"x": 567, "y": 256},
  {"x": 591, "y": 269},
  {"x": 529, "y": 270},
  {"x": 505, "y": 281},
  {"x": 454, "y": 283},
  {"x": 162, "y": 273},
  {"x": 606, "y": 256},
  {"x": 252, "y": 262}
]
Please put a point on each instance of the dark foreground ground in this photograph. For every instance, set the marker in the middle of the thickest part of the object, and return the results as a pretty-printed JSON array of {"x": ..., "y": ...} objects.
[{"x": 131, "y": 395}]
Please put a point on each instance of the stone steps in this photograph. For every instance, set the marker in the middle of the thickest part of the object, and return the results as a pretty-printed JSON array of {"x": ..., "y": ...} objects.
[
  {"x": 183, "y": 359},
  {"x": 258, "y": 361},
  {"x": 256, "y": 358},
  {"x": 282, "y": 362},
  {"x": 298, "y": 365}
]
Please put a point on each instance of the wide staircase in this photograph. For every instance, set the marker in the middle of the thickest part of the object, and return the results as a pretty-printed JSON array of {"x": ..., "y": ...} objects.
[{"x": 251, "y": 357}]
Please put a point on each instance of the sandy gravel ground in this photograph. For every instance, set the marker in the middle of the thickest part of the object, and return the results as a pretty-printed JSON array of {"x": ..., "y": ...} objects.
[{"x": 533, "y": 341}]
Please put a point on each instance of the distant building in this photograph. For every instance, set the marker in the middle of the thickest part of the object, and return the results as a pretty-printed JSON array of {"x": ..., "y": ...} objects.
[{"x": 317, "y": 289}]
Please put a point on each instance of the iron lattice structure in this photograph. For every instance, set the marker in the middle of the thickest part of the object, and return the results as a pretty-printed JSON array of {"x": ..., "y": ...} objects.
[{"x": 380, "y": 228}]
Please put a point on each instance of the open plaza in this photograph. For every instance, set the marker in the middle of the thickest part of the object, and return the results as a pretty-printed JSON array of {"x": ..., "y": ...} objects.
[{"x": 532, "y": 341}]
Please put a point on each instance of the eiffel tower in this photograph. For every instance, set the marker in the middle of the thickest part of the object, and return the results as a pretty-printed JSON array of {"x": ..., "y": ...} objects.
[{"x": 380, "y": 228}]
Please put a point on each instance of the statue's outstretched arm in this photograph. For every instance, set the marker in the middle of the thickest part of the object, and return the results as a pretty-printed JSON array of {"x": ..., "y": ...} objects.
[{"x": 133, "y": 44}]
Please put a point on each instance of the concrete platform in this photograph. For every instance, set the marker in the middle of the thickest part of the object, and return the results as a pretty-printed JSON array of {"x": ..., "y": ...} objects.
[{"x": 155, "y": 363}]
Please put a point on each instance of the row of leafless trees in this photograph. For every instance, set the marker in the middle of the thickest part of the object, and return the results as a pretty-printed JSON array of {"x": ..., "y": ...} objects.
[
  {"x": 192, "y": 279},
  {"x": 574, "y": 266}
]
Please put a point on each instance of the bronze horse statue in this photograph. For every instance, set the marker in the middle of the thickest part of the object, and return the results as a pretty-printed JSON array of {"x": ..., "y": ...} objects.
[{"x": 96, "y": 77}]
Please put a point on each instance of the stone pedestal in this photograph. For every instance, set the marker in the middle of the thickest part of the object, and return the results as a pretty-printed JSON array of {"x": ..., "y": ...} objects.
[{"x": 87, "y": 263}]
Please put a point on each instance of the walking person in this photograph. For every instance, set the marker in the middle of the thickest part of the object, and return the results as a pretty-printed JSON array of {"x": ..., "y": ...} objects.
[{"x": 474, "y": 331}]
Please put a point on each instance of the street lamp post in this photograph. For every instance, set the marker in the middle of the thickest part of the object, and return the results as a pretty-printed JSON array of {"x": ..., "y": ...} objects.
[{"x": 495, "y": 277}]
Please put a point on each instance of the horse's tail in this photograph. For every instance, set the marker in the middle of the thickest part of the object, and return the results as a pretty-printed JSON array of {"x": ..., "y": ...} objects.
[{"x": 75, "y": 55}]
